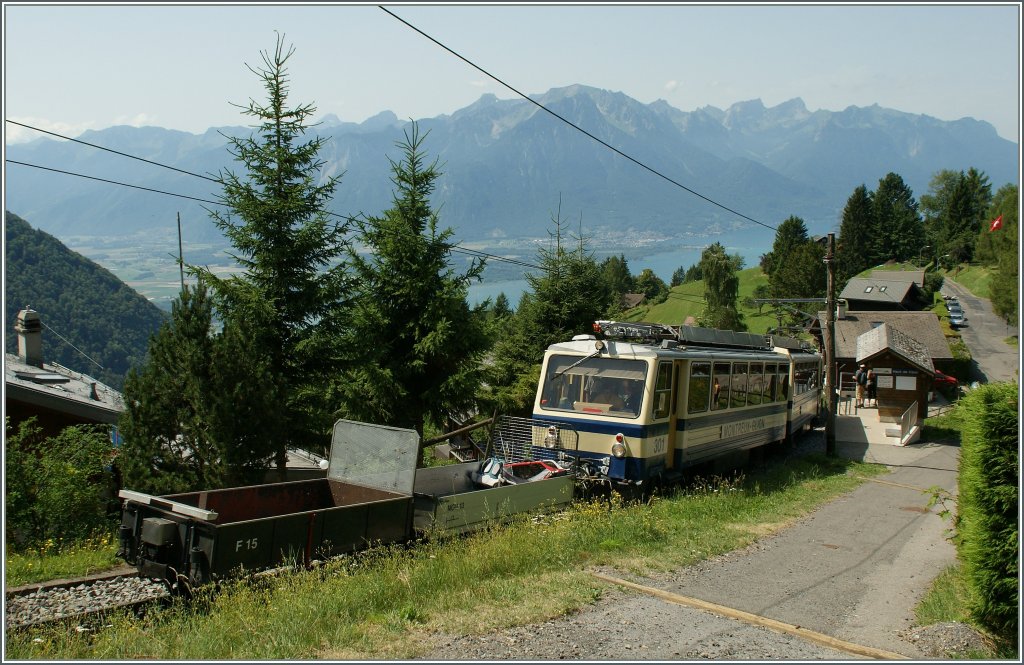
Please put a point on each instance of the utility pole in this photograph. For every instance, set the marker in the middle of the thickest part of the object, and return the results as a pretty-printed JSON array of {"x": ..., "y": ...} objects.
[
  {"x": 830, "y": 349},
  {"x": 181, "y": 258}
]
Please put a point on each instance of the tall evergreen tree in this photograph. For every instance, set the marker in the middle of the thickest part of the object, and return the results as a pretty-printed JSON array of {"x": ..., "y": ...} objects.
[
  {"x": 790, "y": 234},
  {"x": 615, "y": 270},
  {"x": 899, "y": 228},
  {"x": 418, "y": 342},
  {"x": 721, "y": 290},
  {"x": 853, "y": 254},
  {"x": 197, "y": 411},
  {"x": 292, "y": 288},
  {"x": 564, "y": 299}
]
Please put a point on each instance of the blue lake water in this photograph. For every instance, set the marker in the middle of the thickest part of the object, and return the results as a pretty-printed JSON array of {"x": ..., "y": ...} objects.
[{"x": 662, "y": 263}]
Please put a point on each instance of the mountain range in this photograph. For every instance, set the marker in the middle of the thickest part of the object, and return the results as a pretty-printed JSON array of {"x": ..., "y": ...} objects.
[{"x": 509, "y": 166}]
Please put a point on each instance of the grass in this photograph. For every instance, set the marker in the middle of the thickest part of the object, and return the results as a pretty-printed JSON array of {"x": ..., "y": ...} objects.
[
  {"x": 975, "y": 278},
  {"x": 53, "y": 561},
  {"x": 688, "y": 300},
  {"x": 947, "y": 601},
  {"x": 385, "y": 604}
]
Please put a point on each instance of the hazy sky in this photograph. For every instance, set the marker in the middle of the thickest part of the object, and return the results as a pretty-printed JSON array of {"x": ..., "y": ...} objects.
[{"x": 78, "y": 67}]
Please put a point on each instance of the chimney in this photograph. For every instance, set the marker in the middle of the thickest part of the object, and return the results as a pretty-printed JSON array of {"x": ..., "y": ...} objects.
[
  {"x": 30, "y": 337},
  {"x": 841, "y": 309}
]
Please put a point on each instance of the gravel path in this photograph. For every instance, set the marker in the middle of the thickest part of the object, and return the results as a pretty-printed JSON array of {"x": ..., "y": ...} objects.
[{"x": 853, "y": 570}]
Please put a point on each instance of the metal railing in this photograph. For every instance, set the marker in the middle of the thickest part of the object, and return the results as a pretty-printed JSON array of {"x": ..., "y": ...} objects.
[{"x": 908, "y": 421}]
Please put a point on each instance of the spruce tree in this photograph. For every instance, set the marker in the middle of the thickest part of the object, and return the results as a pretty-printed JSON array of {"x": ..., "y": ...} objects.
[
  {"x": 899, "y": 228},
  {"x": 198, "y": 410},
  {"x": 292, "y": 288},
  {"x": 564, "y": 299},
  {"x": 419, "y": 345},
  {"x": 853, "y": 254}
]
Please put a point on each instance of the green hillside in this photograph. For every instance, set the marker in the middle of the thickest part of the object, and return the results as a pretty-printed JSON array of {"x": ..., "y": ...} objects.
[
  {"x": 77, "y": 300},
  {"x": 688, "y": 300}
]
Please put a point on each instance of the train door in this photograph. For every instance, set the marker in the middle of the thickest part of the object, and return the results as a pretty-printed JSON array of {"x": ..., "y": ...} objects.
[{"x": 665, "y": 382}]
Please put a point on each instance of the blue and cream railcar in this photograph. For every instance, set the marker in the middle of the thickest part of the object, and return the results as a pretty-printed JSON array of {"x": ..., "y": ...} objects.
[
  {"x": 666, "y": 399},
  {"x": 805, "y": 373}
]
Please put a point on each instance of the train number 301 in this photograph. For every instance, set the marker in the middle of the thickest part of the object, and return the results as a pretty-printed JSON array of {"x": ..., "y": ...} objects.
[{"x": 659, "y": 445}]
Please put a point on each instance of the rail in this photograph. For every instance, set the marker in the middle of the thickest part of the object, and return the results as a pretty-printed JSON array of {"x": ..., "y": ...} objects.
[{"x": 908, "y": 421}]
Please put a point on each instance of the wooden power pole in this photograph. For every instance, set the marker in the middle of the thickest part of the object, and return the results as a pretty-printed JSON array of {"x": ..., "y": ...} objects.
[{"x": 831, "y": 395}]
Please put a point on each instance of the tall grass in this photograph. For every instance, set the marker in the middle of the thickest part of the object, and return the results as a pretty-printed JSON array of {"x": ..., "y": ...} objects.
[
  {"x": 383, "y": 604},
  {"x": 54, "y": 560}
]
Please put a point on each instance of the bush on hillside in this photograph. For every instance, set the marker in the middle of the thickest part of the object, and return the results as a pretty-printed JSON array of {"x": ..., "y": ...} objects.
[
  {"x": 57, "y": 489},
  {"x": 988, "y": 526}
]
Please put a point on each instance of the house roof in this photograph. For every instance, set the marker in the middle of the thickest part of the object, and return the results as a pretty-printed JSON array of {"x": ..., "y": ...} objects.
[
  {"x": 60, "y": 389},
  {"x": 915, "y": 276},
  {"x": 877, "y": 290},
  {"x": 921, "y": 326},
  {"x": 887, "y": 337},
  {"x": 631, "y": 300}
]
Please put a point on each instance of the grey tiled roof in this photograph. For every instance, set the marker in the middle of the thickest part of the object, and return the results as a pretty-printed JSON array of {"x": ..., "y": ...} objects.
[
  {"x": 886, "y": 336},
  {"x": 61, "y": 389},
  {"x": 915, "y": 276},
  {"x": 877, "y": 290},
  {"x": 922, "y": 326}
]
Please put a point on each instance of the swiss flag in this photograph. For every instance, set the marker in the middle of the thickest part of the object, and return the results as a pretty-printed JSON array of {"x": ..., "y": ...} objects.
[{"x": 997, "y": 224}]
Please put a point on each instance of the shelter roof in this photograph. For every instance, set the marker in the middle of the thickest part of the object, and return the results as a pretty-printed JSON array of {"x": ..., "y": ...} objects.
[{"x": 887, "y": 337}]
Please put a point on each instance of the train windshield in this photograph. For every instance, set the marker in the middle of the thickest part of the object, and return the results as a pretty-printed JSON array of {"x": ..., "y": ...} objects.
[{"x": 608, "y": 386}]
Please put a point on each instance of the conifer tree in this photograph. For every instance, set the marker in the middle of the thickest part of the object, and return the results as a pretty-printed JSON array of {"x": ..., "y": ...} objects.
[
  {"x": 853, "y": 254},
  {"x": 419, "y": 344},
  {"x": 197, "y": 411},
  {"x": 899, "y": 230},
  {"x": 564, "y": 299},
  {"x": 292, "y": 289}
]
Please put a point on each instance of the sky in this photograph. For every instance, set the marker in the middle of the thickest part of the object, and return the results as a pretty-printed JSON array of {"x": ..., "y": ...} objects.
[{"x": 69, "y": 68}]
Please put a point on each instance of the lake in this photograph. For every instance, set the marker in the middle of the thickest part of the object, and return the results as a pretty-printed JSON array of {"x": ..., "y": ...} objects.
[{"x": 662, "y": 263}]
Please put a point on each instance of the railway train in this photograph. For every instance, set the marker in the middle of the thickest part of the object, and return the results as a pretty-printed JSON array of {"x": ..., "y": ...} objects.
[
  {"x": 628, "y": 406},
  {"x": 648, "y": 400}
]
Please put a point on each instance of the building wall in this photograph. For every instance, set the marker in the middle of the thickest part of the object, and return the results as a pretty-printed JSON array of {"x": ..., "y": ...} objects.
[{"x": 900, "y": 384}]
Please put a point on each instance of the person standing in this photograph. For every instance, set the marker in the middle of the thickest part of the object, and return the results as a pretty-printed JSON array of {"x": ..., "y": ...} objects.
[
  {"x": 873, "y": 387},
  {"x": 862, "y": 383}
]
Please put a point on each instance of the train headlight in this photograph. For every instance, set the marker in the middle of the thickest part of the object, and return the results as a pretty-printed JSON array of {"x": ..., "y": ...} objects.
[
  {"x": 551, "y": 438},
  {"x": 619, "y": 447}
]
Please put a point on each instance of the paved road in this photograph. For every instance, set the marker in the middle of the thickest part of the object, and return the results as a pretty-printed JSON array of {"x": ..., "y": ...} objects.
[
  {"x": 994, "y": 359},
  {"x": 853, "y": 570}
]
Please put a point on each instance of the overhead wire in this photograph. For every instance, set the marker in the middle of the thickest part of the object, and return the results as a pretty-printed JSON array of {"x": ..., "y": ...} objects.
[
  {"x": 575, "y": 126},
  {"x": 455, "y": 247}
]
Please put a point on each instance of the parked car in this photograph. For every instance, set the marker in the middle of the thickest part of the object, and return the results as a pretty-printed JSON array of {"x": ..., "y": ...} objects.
[
  {"x": 957, "y": 320},
  {"x": 945, "y": 380}
]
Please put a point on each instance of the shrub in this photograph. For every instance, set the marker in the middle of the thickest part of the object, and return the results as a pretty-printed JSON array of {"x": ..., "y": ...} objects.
[
  {"x": 988, "y": 524},
  {"x": 57, "y": 488}
]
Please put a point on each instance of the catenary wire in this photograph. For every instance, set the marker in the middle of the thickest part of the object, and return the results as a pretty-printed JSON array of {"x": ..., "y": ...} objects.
[
  {"x": 454, "y": 248},
  {"x": 577, "y": 127}
]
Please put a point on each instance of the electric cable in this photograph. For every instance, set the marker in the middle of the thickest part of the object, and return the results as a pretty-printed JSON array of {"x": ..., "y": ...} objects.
[{"x": 577, "y": 127}]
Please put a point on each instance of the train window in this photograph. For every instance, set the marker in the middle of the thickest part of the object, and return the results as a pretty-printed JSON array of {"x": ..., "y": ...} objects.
[
  {"x": 700, "y": 387},
  {"x": 771, "y": 384},
  {"x": 783, "y": 383},
  {"x": 755, "y": 383},
  {"x": 738, "y": 394},
  {"x": 609, "y": 386},
  {"x": 720, "y": 387},
  {"x": 663, "y": 391}
]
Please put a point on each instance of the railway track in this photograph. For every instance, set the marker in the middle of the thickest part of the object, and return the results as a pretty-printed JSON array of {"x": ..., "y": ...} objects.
[{"x": 83, "y": 599}]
